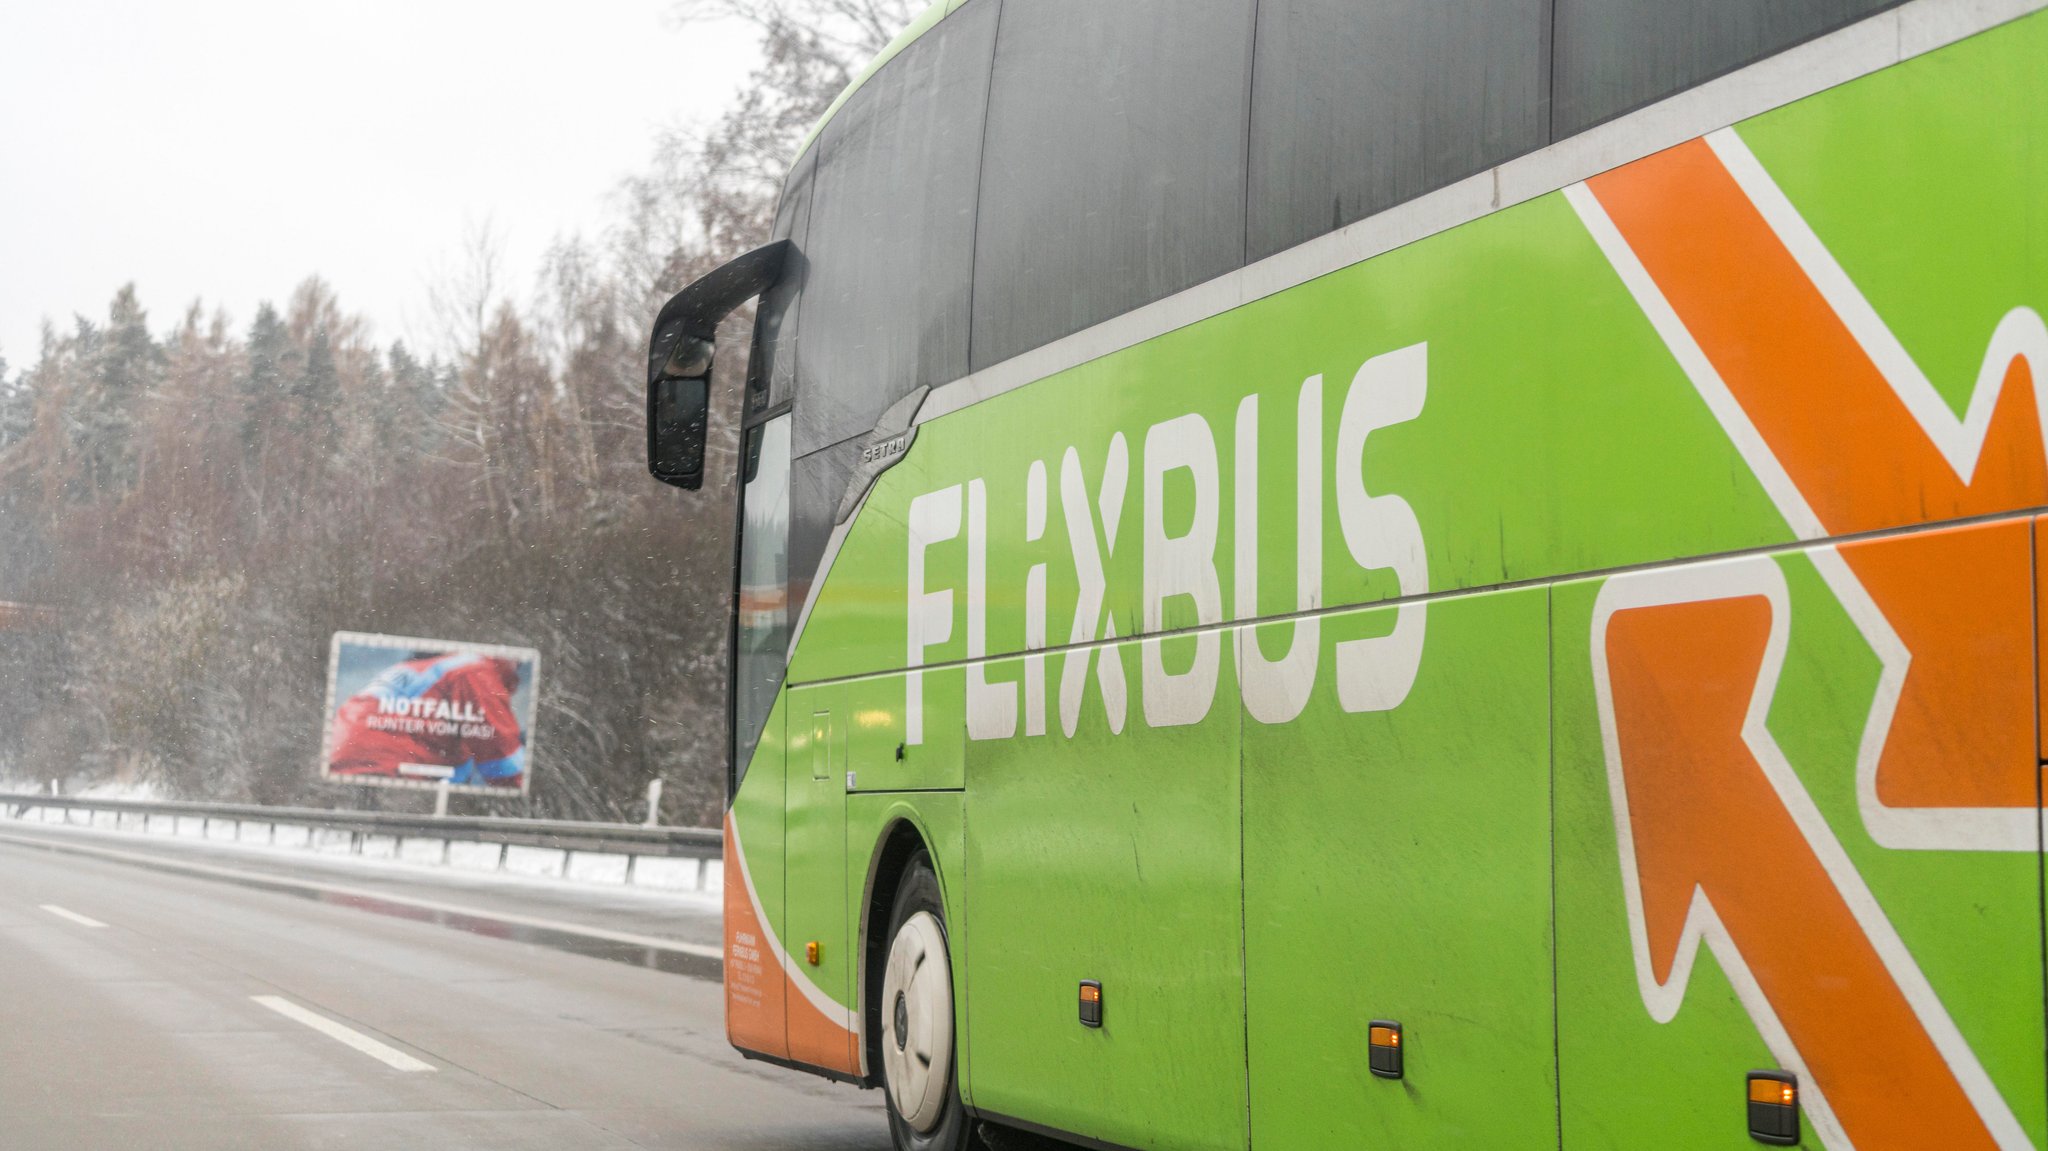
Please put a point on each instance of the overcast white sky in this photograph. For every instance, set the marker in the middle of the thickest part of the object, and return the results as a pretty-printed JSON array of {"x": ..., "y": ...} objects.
[{"x": 226, "y": 149}]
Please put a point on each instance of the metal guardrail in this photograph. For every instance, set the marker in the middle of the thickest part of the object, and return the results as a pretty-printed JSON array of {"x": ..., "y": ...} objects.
[{"x": 625, "y": 839}]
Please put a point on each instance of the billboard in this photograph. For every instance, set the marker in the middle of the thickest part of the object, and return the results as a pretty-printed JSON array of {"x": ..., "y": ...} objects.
[{"x": 429, "y": 713}]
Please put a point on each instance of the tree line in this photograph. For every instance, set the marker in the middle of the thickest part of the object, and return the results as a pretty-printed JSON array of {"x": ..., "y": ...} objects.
[{"x": 207, "y": 501}]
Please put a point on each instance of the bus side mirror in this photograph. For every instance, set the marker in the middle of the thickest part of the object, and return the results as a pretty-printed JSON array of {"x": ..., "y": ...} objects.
[
  {"x": 680, "y": 356},
  {"x": 682, "y": 412},
  {"x": 679, "y": 413}
]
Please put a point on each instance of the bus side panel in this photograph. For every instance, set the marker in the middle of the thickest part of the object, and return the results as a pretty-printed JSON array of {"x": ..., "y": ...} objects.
[
  {"x": 1627, "y": 1078},
  {"x": 1922, "y": 183},
  {"x": 1115, "y": 858},
  {"x": 755, "y": 981},
  {"x": 1729, "y": 896},
  {"x": 878, "y": 750},
  {"x": 939, "y": 818},
  {"x": 815, "y": 912},
  {"x": 1397, "y": 867}
]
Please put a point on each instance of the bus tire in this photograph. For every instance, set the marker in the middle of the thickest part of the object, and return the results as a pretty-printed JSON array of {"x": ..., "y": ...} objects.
[{"x": 919, "y": 1068}]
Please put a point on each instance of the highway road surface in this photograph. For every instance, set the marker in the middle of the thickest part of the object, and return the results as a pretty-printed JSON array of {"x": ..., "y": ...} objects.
[{"x": 147, "y": 1008}]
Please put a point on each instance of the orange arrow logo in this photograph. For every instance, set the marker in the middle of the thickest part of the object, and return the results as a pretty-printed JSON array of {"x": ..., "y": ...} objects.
[
  {"x": 1722, "y": 847},
  {"x": 1847, "y": 435}
]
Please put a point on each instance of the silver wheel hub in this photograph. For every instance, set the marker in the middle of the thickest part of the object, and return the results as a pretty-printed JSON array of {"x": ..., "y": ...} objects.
[{"x": 918, "y": 984}]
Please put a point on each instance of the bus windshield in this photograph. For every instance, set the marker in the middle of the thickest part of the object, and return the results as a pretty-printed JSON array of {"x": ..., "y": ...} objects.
[{"x": 763, "y": 600}]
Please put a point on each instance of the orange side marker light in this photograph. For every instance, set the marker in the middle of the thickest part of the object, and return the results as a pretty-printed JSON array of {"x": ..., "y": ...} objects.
[
  {"x": 1774, "y": 1108},
  {"x": 1383, "y": 1049},
  {"x": 1771, "y": 1091}
]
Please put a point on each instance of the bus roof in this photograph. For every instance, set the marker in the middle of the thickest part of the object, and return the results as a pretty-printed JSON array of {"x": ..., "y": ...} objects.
[{"x": 926, "y": 20}]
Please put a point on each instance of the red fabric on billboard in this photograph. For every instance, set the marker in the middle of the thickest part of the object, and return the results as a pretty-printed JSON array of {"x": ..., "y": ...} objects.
[{"x": 462, "y": 715}]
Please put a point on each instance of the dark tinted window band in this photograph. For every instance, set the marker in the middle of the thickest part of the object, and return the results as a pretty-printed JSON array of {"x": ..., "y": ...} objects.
[
  {"x": 1118, "y": 153},
  {"x": 1113, "y": 170},
  {"x": 1358, "y": 107},
  {"x": 1613, "y": 56},
  {"x": 892, "y": 232},
  {"x": 817, "y": 484},
  {"x": 771, "y": 373}
]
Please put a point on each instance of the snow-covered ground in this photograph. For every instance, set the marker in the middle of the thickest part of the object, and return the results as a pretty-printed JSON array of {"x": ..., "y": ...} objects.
[{"x": 536, "y": 864}]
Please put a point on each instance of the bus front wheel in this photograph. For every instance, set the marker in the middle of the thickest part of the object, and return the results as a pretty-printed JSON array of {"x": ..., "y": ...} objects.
[{"x": 916, "y": 1020}]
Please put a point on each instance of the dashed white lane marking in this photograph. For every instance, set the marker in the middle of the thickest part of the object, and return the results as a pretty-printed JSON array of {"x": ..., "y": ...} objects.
[
  {"x": 382, "y": 1053},
  {"x": 73, "y": 916}
]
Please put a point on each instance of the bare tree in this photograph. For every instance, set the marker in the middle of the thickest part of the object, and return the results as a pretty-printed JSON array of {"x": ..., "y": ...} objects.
[
  {"x": 463, "y": 293},
  {"x": 849, "y": 31},
  {"x": 707, "y": 197},
  {"x": 207, "y": 507}
]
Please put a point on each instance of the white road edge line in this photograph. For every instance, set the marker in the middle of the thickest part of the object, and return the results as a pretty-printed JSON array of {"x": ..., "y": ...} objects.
[
  {"x": 162, "y": 862},
  {"x": 383, "y": 1053},
  {"x": 73, "y": 916}
]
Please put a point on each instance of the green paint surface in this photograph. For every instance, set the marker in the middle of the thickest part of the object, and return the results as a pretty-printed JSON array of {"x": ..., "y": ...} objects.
[
  {"x": 814, "y": 789},
  {"x": 1923, "y": 181},
  {"x": 1397, "y": 866},
  {"x": 1534, "y": 348},
  {"x": 1114, "y": 858}
]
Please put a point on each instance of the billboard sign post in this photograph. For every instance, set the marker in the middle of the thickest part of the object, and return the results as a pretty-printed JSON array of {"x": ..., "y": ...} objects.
[{"x": 429, "y": 714}]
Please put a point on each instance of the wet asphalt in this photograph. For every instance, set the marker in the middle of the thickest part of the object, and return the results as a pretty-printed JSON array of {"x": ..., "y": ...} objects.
[{"x": 161, "y": 1027}]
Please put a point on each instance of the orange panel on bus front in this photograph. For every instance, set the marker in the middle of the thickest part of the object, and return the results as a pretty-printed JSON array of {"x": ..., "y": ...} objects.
[{"x": 755, "y": 987}]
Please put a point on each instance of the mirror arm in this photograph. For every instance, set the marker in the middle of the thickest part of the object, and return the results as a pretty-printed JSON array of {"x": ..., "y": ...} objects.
[
  {"x": 698, "y": 309},
  {"x": 680, "y": 355}
]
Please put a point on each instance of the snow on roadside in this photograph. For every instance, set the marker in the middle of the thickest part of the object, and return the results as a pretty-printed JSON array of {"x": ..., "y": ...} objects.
[{"x": 667, "y": 879}]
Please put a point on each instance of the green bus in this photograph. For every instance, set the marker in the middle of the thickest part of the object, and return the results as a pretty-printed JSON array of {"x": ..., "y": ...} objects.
[{"x": 1399, "y": 574}]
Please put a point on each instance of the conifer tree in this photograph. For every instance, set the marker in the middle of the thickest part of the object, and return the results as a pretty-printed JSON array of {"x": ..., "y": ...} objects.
[
  {"x": 407, "y": 409},
  {"x": 120, "y": 365},
  {"x": 316, "y": 396},
  {"x": 14, "y": 409},
  {"x": 272, "y": 360}
]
